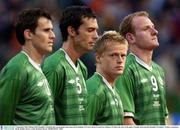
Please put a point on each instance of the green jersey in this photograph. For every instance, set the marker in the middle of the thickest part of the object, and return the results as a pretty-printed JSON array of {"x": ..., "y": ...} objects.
[
  {"x": 25, "y": 95},
  {"x": 143, "y": 92},
  {"x": 104, "y": 103},
  {"x": 68, "y": 85}
]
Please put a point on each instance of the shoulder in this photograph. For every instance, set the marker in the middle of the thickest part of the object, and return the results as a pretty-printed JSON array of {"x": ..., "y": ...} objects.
[
  {"x": 130, "y": 65},
  {"x": 54, "y": 58},
  {"x": 95, "y": 85},
  {"x": 158, "y": 68},
  {"x": 82, "y": 64},
  {"x": 130, "y": 61},
  {"x": 16, "y": 67},
  {"x": 155, "y": 65},
  {"x": 54, "y": 61}
]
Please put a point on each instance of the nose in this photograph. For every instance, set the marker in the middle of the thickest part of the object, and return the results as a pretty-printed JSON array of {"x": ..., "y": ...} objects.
[
  {"x": 119, "y": 59},
  {"x": 96, "y": 35},
  {"x": 52, "y": 35},
  {"x": 154, "y": 31}
]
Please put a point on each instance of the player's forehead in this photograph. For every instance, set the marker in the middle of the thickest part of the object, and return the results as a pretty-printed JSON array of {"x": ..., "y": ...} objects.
[
  {"x": 44, "y": 22},
  {"x": 89, "y": 22},
  {"x": 140, "y": 21}
]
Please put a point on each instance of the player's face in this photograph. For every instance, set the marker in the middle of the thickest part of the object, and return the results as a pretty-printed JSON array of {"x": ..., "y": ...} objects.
[
  {"x": 86, "y": 35},
  {"x": 145, "y": 33},
  {"x": 112, "y": 61},
  {"x": 43, "y": 38}
]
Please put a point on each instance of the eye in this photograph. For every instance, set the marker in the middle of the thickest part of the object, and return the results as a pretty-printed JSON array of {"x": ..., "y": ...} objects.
[
  {"x": 145, "y": 28},
  {"x": 48, "y": 29},
  {"x": 114, "y": 55},
  {"x": 123, "y": 56},
  {"x": 91, "y": 29}
]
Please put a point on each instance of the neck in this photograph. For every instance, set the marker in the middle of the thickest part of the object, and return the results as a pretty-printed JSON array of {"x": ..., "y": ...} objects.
[
  {"x": 144, "y": 55},
  {"x": 70, "y": 50},
  {"x": 33, "y": 54},
  {"x": 109, "y": 78}
]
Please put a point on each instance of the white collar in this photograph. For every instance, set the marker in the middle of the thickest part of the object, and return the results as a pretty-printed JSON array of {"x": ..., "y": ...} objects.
[
  {"x": 107, "y": 83},
  {"x": 70, "y": 61},
  {"x": 34, "y": 64},
  {"x": 142, "y": 63}
]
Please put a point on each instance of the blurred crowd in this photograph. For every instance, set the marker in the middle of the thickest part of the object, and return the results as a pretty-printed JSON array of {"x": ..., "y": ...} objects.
[{"x": 165, "y": 14}]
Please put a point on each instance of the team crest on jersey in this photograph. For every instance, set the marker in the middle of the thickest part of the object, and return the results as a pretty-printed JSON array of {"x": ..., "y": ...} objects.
[
  {"x": 72, "y": 81},
  {"x": 144, "y": 80},
  {"x": 115, "y": 102},
  {"x": 161, "y": 81},
  {"x": 45, "y": 84}
]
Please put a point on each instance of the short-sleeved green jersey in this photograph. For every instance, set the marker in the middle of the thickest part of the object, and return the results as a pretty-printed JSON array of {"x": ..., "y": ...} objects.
[
  {"x": 25, "y": 97},
  {"x": 143, "y": 92},
  {"x": 68, "y": 85},
  {"x": 104, "y": 103}
]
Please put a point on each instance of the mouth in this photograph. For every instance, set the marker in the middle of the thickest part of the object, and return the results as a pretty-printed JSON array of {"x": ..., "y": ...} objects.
[
  {"x": 91, "y": 43},
  {"x": 154, "y": 38},
  {"x": 51, "y": 43},
  {"x": 119, "y": 68}
]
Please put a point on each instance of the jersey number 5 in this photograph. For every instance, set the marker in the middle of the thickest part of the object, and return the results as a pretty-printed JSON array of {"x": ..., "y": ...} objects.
[{"x": 79, "y": 88}]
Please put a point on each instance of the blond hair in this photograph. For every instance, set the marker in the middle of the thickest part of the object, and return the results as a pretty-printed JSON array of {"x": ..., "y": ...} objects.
[
  {"x": 108, "y": 38},
  {"x": 126, "y": 24}
]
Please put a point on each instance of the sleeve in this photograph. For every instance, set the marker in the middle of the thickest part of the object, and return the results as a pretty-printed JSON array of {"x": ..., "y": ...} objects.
[
  {"x": 56, "y": 78},
  {"x": 166, "y": 108},
  {"x": 93, "y": 108},
  {"x": 125, "y": 84},
  {"x": 163, "y": 75},
  {"x": 10, "y": 91}
]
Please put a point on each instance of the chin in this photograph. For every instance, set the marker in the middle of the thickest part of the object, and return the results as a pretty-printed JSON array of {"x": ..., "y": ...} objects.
[
  {"x": 156, "y": 44},
  {"x": 119, "y": 73},
  {"x": 48, "y": 51},
  {"x": 90, "y": 48}
]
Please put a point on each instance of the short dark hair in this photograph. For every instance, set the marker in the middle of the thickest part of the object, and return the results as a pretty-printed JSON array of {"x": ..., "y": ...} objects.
[
  {"x": 72, "y": 16},
  {"x": 28, "y": 19}
]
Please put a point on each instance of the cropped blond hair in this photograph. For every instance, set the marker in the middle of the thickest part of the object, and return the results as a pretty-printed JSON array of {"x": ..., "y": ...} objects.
[{"x": 108, "y": 38}]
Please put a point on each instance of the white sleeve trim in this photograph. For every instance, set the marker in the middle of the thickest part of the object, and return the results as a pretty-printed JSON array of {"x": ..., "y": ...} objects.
[{"x": 130, "y": 114}]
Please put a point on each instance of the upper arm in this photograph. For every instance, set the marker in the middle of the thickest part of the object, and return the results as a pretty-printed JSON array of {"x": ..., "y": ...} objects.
[
  {"x": 125, "y": 86},
  {"x": 11, "y": 85},
  {"x": 56, "y": 79},
  {"x": 93, "y": 108},
  {"x": 129, "y": 121}
]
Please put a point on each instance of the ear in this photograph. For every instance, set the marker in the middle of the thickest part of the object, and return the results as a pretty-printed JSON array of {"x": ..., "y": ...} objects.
[
  {"x": 130, "y": 38},
  {"x": 71, "y": 31},
  {"x": 27, "y": 34},
  {"x": 98, "y": 58}
]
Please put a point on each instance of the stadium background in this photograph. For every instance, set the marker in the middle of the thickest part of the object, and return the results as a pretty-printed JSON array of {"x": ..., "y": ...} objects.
[{"x": 165, "y": 14}]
